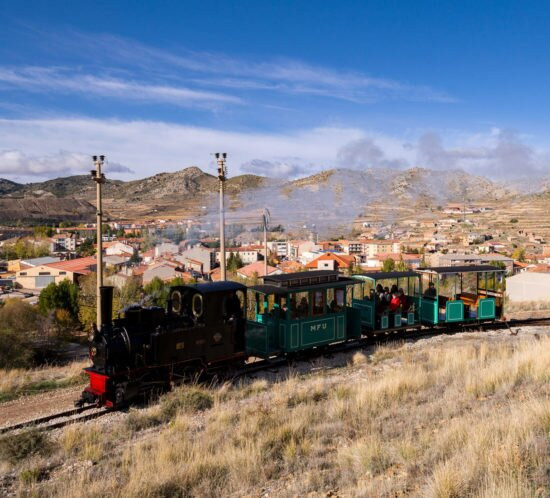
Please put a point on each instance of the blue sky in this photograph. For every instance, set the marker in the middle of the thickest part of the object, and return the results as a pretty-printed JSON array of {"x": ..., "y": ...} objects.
[{"x": 285, "y": 87}]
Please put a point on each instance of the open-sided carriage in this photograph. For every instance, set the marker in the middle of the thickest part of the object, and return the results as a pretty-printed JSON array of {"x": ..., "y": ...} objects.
[
  {"x": 455, "y": 294},
  {"x": 376, "y": 314},
  {"x": 299, "y": 311}
]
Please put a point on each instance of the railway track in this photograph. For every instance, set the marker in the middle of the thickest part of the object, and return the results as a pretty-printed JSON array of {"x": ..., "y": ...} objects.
[
  {"x": 84, "y": 413},
  {"x": 58, "y": 419}
]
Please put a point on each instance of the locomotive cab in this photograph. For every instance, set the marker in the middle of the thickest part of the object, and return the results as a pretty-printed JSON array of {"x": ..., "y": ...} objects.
[{"x": 215, "y": 312}]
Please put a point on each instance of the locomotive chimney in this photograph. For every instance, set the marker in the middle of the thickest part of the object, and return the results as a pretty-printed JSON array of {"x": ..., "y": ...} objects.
[{"x": 106, "y": 304}]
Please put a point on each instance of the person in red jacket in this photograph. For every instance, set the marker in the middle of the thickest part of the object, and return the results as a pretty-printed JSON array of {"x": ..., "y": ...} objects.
[{"x": 395, "y": 302}]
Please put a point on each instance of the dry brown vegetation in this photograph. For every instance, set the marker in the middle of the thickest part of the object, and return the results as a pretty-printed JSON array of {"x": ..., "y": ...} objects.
[
  {"x": 19, "y": 381},
  {"x": 527, "y": 306},
  {"x": 451, "y": 417}
]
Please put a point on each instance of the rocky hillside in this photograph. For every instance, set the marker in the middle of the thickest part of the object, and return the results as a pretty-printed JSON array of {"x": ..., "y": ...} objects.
[
  {"x": 29, "y": 210},
  {"x": 339, "y": 193}
]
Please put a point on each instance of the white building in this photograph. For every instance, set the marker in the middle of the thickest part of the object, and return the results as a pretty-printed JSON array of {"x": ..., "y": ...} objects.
[
  {"x": 166, "y": 248},
  {"x": 248, "y": 254},
  {"x": 63, "y": 242},
  {"x": 119, "y": 249},
  {"x": 528, "y": 286},
  {"x": 279, "y": 248}
]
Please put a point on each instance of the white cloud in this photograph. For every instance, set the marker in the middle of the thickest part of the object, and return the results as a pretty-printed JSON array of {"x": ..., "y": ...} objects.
[
  {"x": 292, "y": 167},
  {"x": 216, "y": 70},
  {"x": 39, "y": 79},
  {"x": 499, "y": 153},
  {"x": 61, "y": 163},
  {"x": 149, "y": 147}
]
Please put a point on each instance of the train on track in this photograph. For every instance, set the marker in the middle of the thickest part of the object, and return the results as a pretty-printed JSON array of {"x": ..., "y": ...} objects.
[{"x": 222, "y": 325}]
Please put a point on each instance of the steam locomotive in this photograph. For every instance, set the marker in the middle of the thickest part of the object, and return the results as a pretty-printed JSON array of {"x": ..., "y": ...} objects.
[
  {"x": 217, "y": 325},
  {"x": 150, "y": 348}
]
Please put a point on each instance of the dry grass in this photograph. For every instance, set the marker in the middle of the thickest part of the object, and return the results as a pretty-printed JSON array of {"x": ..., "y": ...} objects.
[
  {"x": 449, "y": 419},
  {"x": 527, "y": 306},
  {"x": 20, "y": 382}
]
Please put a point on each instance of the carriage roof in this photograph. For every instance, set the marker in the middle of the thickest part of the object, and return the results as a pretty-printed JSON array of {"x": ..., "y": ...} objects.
[{"x": 461, "y": 269}]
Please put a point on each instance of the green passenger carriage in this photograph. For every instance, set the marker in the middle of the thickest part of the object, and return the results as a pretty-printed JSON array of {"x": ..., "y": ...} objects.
[
  {"x": 375, "y": 314},
  {"x": 462, "y": 294},
  {"x": 300, "y": 311}
]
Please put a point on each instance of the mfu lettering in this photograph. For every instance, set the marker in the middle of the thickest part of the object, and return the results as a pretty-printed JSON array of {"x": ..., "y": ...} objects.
[{"x": 316, "y": 328}]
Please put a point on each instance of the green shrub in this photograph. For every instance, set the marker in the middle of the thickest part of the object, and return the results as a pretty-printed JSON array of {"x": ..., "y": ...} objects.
[
  {"x": 15, "y": 351},
  {"x": 30, "y": 476},
  {"x": 16, "y": 447},
  {"x": 137, "y": 421},
  {"x": 190, "y": 399}
]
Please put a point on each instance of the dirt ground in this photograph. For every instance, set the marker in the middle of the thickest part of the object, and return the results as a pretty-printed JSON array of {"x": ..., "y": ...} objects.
[{"x": 30, "y": 407}]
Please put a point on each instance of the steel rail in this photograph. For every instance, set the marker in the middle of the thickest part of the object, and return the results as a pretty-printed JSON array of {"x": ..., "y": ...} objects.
[{"x": 36, "y": 422}]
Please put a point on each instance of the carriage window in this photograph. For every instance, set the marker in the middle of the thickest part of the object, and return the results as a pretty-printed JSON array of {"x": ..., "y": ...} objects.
[
  {"x": 197, "y": 305},
  {"x": 357, "y": 291},
  {"x": 278, "y": 306},
  {"x": 232, "y": 305},
  {"x": 292, "y": 306},
  {"x": 318, "y": 302},
  {"x": 348, "y": 296},
  {"x": 340, "y": 299},
  {"x": 331, "y": 301},
  {"x": 302, "y": 304},
  {"x": 241, "y": 296},
  {"x": 368, "y": 289},
  {"x": 251, "y": 305}
]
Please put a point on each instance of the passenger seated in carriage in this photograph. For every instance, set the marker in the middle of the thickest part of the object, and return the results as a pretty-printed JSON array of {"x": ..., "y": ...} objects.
[
  {"x": 430, "y": 291},
  {"x": 303, "y": 308},
  {"x": 395, "y": 303},
  {"x": 404, "y": 300}
]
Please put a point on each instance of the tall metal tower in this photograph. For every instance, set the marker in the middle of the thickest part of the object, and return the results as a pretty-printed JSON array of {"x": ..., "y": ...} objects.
[
  {"x": 220, "y": 159},
  {"x": 99, "y": 178},
  {"x": 265, "y": 221}
]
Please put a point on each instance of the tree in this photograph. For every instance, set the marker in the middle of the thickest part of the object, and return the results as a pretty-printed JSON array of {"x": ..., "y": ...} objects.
[
  {"x": 401, "y": 265},
  {"x": 43, "y": 231},
  {"x": 519, "y": 254},
  {"x": 135, "y": 259},
  {"x": 87, "y": 300},
  {"x": 130, "y": 293},
  {"x": 234, "y": 262},
  {"x": 86, "y": 248},
  {"x": 157, "y": 291},
  {"x": 388, "y": 265},
  {"x": 59, "y": 296},
  {"x": 19, "y": 324}
]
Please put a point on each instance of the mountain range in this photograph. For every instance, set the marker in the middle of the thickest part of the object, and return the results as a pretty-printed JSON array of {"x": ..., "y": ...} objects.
[{"x": 334, "y": 194}]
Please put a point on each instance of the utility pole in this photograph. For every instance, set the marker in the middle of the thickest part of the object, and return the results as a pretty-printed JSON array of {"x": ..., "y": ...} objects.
[
  {"x": 220, "y": 158},
  {"x": 99, "y": 178},
  {"x": 265, "y": 221}
]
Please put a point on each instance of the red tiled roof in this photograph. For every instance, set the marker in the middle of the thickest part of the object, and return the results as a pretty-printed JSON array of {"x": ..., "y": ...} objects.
[
  {"x": 257, "y": 267},
  {"x": 139, "y": 270},
  {"x": 343, "y": 260},
  {"x": 79, "y": 265}
]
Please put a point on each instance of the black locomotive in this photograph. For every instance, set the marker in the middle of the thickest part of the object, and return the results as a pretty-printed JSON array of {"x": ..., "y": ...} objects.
[{"x": 203, "y": 326}]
